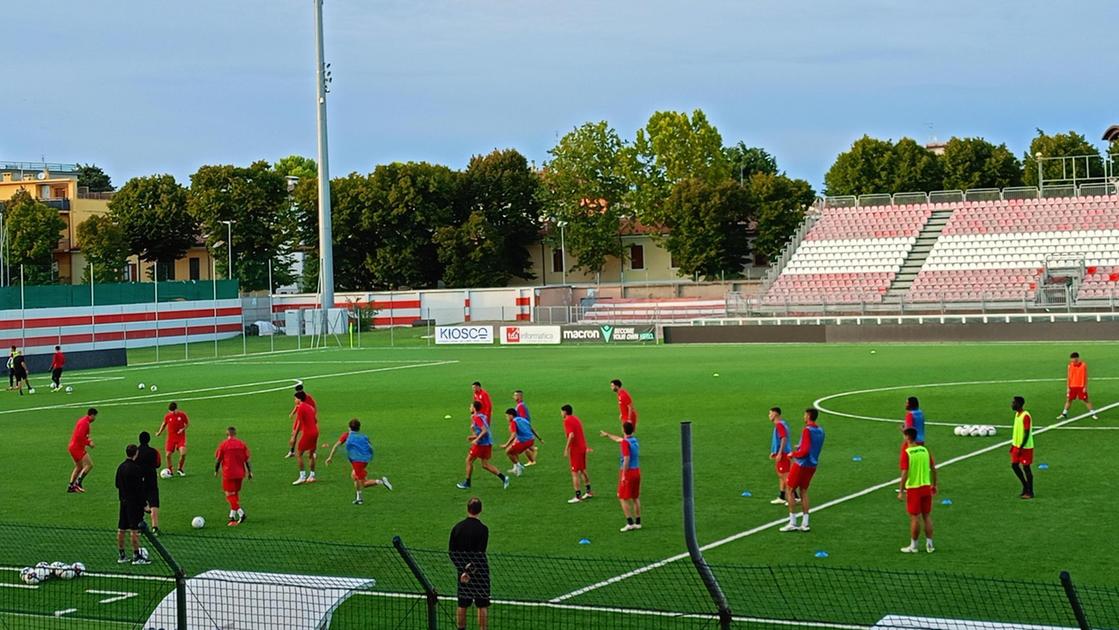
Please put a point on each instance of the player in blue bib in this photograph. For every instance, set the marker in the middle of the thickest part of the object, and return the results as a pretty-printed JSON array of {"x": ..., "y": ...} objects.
[
  {"x": 359, "y": 450},
  {"x": 522, "y": 439}
]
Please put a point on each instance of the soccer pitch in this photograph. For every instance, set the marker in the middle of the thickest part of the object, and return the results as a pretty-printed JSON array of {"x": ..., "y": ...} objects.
[{"x": 402, "y": 396}]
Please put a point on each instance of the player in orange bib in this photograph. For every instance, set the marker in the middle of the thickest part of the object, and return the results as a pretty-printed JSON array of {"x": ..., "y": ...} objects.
[{"x": 1077, "y": 386}]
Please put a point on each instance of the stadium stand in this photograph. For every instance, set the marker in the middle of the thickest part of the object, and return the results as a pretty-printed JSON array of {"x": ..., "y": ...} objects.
[
  {"x": 647, "y": 310},
  {"x": 985, "y": 251}
]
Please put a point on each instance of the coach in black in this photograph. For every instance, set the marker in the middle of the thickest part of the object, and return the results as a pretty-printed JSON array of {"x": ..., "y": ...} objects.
[
  {"x": 469, "y": 539},
  {"x": 133, "y": 498},
  {"x": 149, "y": 460}
]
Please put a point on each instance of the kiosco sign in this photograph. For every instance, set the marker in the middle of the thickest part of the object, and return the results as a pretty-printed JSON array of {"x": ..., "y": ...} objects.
[
  {"x": 530, "y": 335},
  {"x": 609, "y": 334},
  {"x": 463, "y": 334}
]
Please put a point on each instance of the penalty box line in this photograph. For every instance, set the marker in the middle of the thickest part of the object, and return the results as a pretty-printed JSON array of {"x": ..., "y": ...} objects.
[{"x": 823, "y": 506}]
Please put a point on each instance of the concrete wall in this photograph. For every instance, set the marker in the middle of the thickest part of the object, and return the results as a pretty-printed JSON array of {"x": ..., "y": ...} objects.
[{"x": 927, "y": 332}]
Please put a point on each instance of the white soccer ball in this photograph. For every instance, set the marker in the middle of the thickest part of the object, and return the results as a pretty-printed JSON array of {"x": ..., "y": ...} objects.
[
  {"x": 57, "y": 568},
  {"x": 30, "y": 390},
  {"x": 153, "y": 388},
  {"x": 29, "y": 576},
  {"x": 68, "y": 573},
  {"x": 69, "y": 390},
  {"x": 165, "y": 473},
  {"x": 42, "y": 573},
  {"x": 991, "y": 431},
  {"x": 141, "y": 386},
  {"x": 976, "y": 431},
  {"x": 198, "y": 522},
  {"x": 78, "y": 568},
  {"x": 958, "y": 430}
]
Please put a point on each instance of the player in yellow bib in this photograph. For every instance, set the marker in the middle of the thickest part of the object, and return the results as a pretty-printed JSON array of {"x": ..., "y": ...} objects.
[
  {"x": 917, "y": 487},
  {"x": 1022, "y": 447}
]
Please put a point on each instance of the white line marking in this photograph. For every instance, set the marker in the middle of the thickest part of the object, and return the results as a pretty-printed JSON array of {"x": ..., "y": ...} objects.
[
  {"x": 894, "y": 388},
  {"x": 117, "y": 595},
  {"x": 59, "y": 613},
  {"x": 162, "y": 396},
  {"x": 6, "y": 585},
  {"x": 823, "y": 506}
]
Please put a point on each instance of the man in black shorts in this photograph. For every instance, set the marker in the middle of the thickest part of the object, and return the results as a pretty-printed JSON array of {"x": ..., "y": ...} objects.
[
  {"x": 469, "y": 539},
  {"x": 19, "y": 369},
  {"x": 149, "y": 460},
  {"x": 133, "y": 498}
]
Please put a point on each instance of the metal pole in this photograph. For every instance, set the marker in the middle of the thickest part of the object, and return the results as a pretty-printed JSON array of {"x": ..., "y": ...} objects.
[
  {"x": 214, "y": 283},
  {"x": 229, "y": 246},
  {"x": 92, "y": 311},
  {"x": 425, "y": 583},
  {"x": 326, "y": 238},
  {"x": 1074, "y": 601},
  {"x": 22, "y": 315},
  {"x": 563, "y": 251},
  {"x": 271, "y": 314},
  {"x": 705, "y": 573},
  {"x": 156, "y": 285}
]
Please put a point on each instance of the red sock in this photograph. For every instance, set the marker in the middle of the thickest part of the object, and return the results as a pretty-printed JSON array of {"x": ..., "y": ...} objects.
[{"x": 234, "y": 501}]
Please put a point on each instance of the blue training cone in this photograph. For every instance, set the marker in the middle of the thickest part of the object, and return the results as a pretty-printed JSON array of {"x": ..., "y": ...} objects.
[
  {"x": 821, "y": 554},
  {"x": 1043, "y": 466},
  {"x": 946, "y": 501},
  {"x": 584, "y": 541},
  {"x": 747, "y": 493},
  {"x": 857, "y": 458}
]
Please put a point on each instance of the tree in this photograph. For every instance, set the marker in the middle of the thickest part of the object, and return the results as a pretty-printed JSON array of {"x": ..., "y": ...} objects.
[
  {"x": 583, "y": 185},
  {"x": 867, "y": 167},
  {"x": 708, "y": 228},
  {"x": 94, "y": 178},
  {"x": 152, "y": 212},
  {"x": 778, "y": 204},
  {"x": 671, "y": 148},
  {"x": 744, "y": 161},
  {"x": 1061, "y": 145},
  {"x": 297, "y": 166},
  {"x": 33, "y": 231},
  {"x": 256, "y": 198},
  {"x": 916, "y": 169},
  {"x": 970, "y": 163},
  {"x": 105, "y": 248},
  {"x": 487, "y": 247}
]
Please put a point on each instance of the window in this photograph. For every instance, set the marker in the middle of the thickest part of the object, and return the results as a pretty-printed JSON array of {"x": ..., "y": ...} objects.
[
  {"x": 58, "y": 192},
  {"x": 672, "y": 261},
  {"x": 636, "y": 256},
  {"x": 165, "y": 271},
  {"x": 557, "y": 261},
  {"x": 195, "y": 268}
]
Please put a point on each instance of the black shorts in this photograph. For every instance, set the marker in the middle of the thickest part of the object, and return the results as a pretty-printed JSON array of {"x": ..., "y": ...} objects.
[
  {"x": 475, "y": 593},
  {"x": 20, "y": 373},
  {"x": 152, "y": 492},
  {"x": 131, "y": 515},
  {"x": 56, "y": 374}
]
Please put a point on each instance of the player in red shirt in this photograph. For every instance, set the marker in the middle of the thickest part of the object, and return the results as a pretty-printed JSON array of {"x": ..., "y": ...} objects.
[
  {"x": 294, "y": 423},
  {"x": 481, "y": 447},
  {"x": 307, "y": 424},
  {"x": 629, "y": 476},
  {"x": 483, "y": 397},
  {"x": 626, "y": 412},
  {"x": 58, "y": 361},
  {"x": 232, "y": 460},
  {"x": 79, "y": 442},
  {"x": 175, "y": 422},
  {"x": 575, "y": 450}
]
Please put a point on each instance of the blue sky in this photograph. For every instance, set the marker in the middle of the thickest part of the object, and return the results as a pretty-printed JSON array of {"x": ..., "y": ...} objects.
[{"x": 144, "y": 87}]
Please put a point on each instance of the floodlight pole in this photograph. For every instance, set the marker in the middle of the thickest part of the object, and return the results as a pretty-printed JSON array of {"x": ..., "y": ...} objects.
[{"x": 326, "y": 238}]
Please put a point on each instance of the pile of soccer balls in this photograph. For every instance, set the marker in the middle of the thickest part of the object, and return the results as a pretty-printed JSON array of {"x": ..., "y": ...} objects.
[
  {"x": 975, "y": 430},
  {"x": 44, "y": 571},
  {"x": 151, "y": 388}
]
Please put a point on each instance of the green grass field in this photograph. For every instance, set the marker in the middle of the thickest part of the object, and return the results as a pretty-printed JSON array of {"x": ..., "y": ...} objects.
[{"x": 402, "y": 395}]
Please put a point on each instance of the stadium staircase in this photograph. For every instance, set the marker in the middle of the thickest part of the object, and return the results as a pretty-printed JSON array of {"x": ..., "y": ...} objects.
[{"x": 927, "y": 237}]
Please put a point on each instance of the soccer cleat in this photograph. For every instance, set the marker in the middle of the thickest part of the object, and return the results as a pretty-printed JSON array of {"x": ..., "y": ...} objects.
[
  {"x": 79, "y": 489},
  {"x": 505, "y": 483},
  {"x": 156, "y": 532},
  {"x": 575, "y": 500},
  {"x": 778, "y": 502},
  {"x": 233, "y": 523},
  {"x": 1095, "y": 417},
  {"x": 530, "y": 464},
  {"x": 514, "y": 471},
  {"x": 137, "y": 560},
  {"x": 181, "y": 473},
  {"x": 909, "y": 549},
  {"x": 359, "y": 502},
  {"x": 241, "y": 516},
  {"x": 587, "y": 495},
  {"x": 929, "y": 547},
  {"x": 805, "y": 528},
  {"x": 385, "y": 483},
  {"x": 627, "y": 528},
  {"x": 299, "y": 482},
  {"x": 122, "y": 559},
  {"x": 289, "y": 455},
  {"x": 637, "y": 526},
  {"x": 1062, "y": 416},
  {"x": 790, "y": 527},
  {"x": 311, "y": 480},
  {"x": 71, "y": 488},
  {"x": 463, "y": 485}
]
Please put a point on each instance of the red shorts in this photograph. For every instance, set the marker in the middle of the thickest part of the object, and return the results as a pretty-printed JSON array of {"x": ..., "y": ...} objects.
[
  {"x": 799, "y": 477},
  {"x": 634, "y": 421},
  {"x": 359, "y": 470},
  {"x": 578, "y": 460},
  {"x": 481, "y": 452},
  {"x": 175, "y": 442},
  {"x": 918, "y": 500},
  {"x": 77, "y": 453},
  {"x": 1078, "y": 393},
  {"x": 516, "y": 448},
  {"x": 308, "y": 442},
  {"x": 1021, "y": 455},
  {"x": 782, "y": 465},
  {"x": 629, "y": 487},
  {"x": 231, "y": 485}
]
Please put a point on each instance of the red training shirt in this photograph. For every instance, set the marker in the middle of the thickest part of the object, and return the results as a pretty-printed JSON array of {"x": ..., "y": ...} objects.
[
  {"x": 58, "y": 361},
  {"x": 483, "y": 397},
  {"x": 572, "y": 425},
  {"x": 625, "y": 405},
  {"x": 232, "y": 453},
  {"x": 176, "y": 422},
  {"x": 80, "y": 437},
  {"x": 306, "y": 418}
]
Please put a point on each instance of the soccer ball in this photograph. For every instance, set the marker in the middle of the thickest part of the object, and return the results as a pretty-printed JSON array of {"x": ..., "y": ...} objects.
[
  {"x": 958, "y": 430},
  {"x": 69, "y": 390},
  {"x": 30, "y": 390},
  {"x": 57, "y": 568},
  {"x": 153, "y": 388},
  {"x": 29, "y": 576},
  {"x": 977, "y": 431},
  {"x": 140, "y": 386},
  {"x": 991, "y": 431},
  {"x": 42, "y": 573},
  {"x": 68, "y": 573},
  {"x": 78, "y": 568},
  {"x": 165, "y": 473},
  {"x": 198, "y": 522}
]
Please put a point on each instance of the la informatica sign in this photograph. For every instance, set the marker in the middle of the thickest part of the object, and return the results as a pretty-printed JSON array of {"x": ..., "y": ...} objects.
[
  {"x": 530, "y": 335},
  {"x": 609, "y": 334}
]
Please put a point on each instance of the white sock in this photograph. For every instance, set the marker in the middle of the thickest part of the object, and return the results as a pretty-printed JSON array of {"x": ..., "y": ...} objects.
[
  {"x": 913, "y": 542},
  {"x": 312, "y": 474},
  {"x": 359, "y": 495},
  {"x": 804, "y": 522},
  {"x": 232, "y": 515},
  {"x": 928, "y": 542},
  {"x": 793, "y": 520},
  {"x": 240, "y": 512},
  {"x": 302, "y": 474}
]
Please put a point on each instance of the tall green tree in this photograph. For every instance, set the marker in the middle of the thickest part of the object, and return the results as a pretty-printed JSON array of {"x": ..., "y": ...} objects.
[
  {"x": 970, "y": 163},
  {"x": 916, "y": 169},
  {"x": 488, "y": 246},
  {"x": 672, "y": 147},
  {"x": 351, "y": 197},
  {"x": 297, "y": 166},
  {"x": 152, "y": 212},
  {"x": 104, "y": 247},
  {"x": 867, "y": 167},
  {"x": 94, "y": 178},
  {"x": 33, "y": 231},
  {"x": 1061, "y": 145},
  {"x": 255, "y": 198},
  {"x": 744, "y": 161},
  {"x": 778, "y": 205},
  {"x": 583, "y": 186},
  {"x": 708, "y": 225}
]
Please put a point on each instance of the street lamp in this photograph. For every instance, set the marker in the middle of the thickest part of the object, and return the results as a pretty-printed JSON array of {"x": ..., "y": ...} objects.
[{"x": 229, "y": 243}]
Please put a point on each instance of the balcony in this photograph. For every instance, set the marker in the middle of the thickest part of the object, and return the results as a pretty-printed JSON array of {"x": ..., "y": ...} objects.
[{"x": 57, "y": 204}]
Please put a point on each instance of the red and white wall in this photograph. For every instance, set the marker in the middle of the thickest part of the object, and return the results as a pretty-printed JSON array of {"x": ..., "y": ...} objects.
[
  {"x": 445, "y": 306},
  {"x": 38, "y": 330}
]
